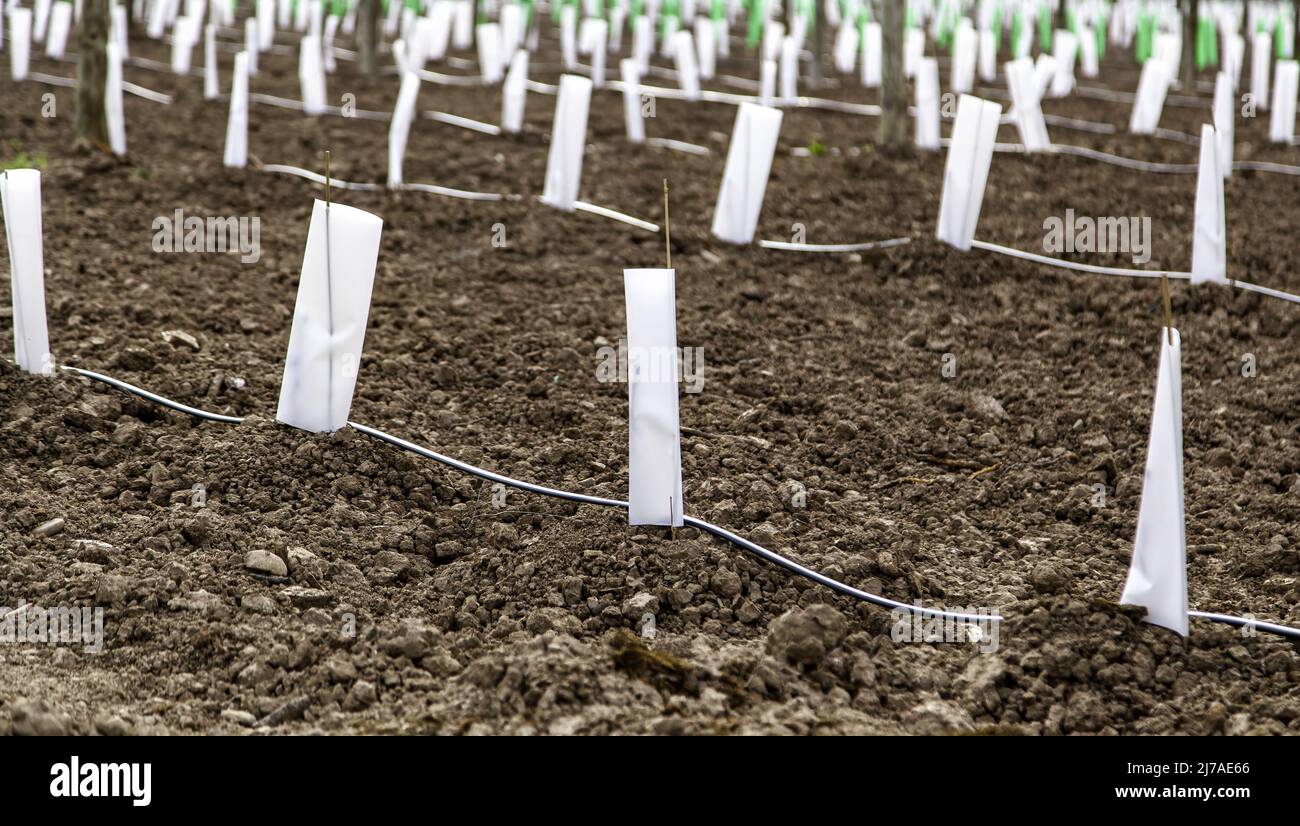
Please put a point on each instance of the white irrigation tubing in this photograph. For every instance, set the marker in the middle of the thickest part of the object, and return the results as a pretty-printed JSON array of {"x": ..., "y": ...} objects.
[
  {"x": 690, "y": 521},
  {"x": 542, "y": 88},
  {"x": 317, "y": 178},
  {"x": 158, "y": 66},
  {"x": 722, "y": 533},
  {"x": 464, "y": 123},
  {"x": 790, "y": 246},
  {"x": 1131, "y": 163},
  {"x": 1122, "y": 271},
  {"x": 678, "y": 146},
  {"x": 1266, "y": 166},
  {"x": 458, "y": 193},
  {"x": 370, "y": 114},
  {"x": 1127, "y": 163},
  {"x": 1175, "y": 135},
  {"x": 131, "y": 88},
  {"x": 362, "y": 186},
  {"x": 1079, "y": 125},
  {"x": 1098, "y": 93},
  {"x": 605, "y": 212},
  {"x": 449, "y": 80}
]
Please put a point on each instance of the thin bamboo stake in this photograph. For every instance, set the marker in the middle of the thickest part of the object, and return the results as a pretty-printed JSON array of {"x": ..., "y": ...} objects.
[
  {"x": 668, "y": 249},
  {"x": 1169, "y": 313}
]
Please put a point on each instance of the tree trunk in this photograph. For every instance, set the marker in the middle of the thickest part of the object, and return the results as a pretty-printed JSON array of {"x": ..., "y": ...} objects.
[
  {"x": 368, "y": 36},
  {"x": 92, "y": 68},
  {"x": 1193, "y": 10},
  {"x": 893, "y": 86}
]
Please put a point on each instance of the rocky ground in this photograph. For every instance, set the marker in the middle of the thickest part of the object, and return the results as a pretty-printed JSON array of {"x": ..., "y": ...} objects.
[{"x": 257, "y": 579}]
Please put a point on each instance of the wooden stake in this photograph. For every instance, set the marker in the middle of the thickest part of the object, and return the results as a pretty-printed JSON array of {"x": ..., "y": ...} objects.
[
  {"x": 668, "y": 248},
  {"x": 1169, "y": 313}
]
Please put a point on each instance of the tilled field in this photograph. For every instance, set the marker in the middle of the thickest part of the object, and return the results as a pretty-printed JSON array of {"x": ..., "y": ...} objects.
[{"x": 417, "y": 602}]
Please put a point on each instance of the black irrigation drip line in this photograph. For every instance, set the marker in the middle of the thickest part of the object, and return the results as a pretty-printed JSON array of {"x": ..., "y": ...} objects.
[
  {"x": 722, "y": 533},
  {"x": 581, "y": 498}
]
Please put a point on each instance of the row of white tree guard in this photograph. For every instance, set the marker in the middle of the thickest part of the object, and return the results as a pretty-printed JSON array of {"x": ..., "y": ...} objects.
[{"x": 330, "y": 315}]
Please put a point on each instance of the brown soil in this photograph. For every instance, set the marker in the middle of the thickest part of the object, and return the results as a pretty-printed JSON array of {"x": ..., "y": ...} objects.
[{"x": 821, "y": 371}]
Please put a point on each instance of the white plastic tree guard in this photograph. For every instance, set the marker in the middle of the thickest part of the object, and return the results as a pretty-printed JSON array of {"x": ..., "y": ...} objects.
[
  {"x": 1209, "y": 231},
  {"x": 789, "y": 70},
  {"x": 439, "y": 29},
  {"x": 1089, "y": 65},
  {"x": 514, "y": 93},
  {"x": 329, "y": 319},
  {"x": 688, "y": 74},
  {"x": 463, "y": 25},
  {"x": 767, "y": 83},
  {"x": 266, "y": 24},
  {"x": 488, "y": 37},
  {"x": 1261, "y": 49},
  {"x": 311, "y": 76},
  {"x": 20, "y": 194},
  {"x": 41, "y": 22},
  {"x": 118, "y": 29},
  {"x": 20, "y": 42},
  {"x": 988, "y": 58},
  {"x": 913, "y": 51},
  {"x": 252, "y": 44},
  {"x": 631, "y": 78},
  {"x": 327, "y": 44},
  {"x": 56, "y": 40},
  {"x": 569, "y": 38},
  {"x": 597, "y": 34},
  {"x": 568, "y": 140},
  {"x": 642, "y": 42},
  {"x": 966, "y": 171},
  {"x": 845, "y": 50},
  {"x": 744, "y": 178},
  {"x": 237, "y": 124},
  {"x": 1157, "y": 577},
  {"x": 184, "y": 34},
  {"x": 927, "y": 104},
  {"x": 114, "y": 113},
  {"x": 1065, "y": 51},
  {"x": 871, "y": 54},
  {"x": 1153, "y": 84},
  {"x": 1281, "y": 125},
  {"x": 654, "y": 427},
  {"x": 399, "y": 126},
  {"x": 964, "y": 57},
  {"x": 211, "y": 82},
  {"x": 706, "y": 45},
  {"x": 1225, "y": 112},
  {"x": 1025, "y": 105}
]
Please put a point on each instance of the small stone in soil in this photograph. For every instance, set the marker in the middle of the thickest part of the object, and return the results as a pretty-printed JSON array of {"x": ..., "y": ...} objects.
[
  {"x": 51, "y": 527},
  {"x": 265, "y": 562}
]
